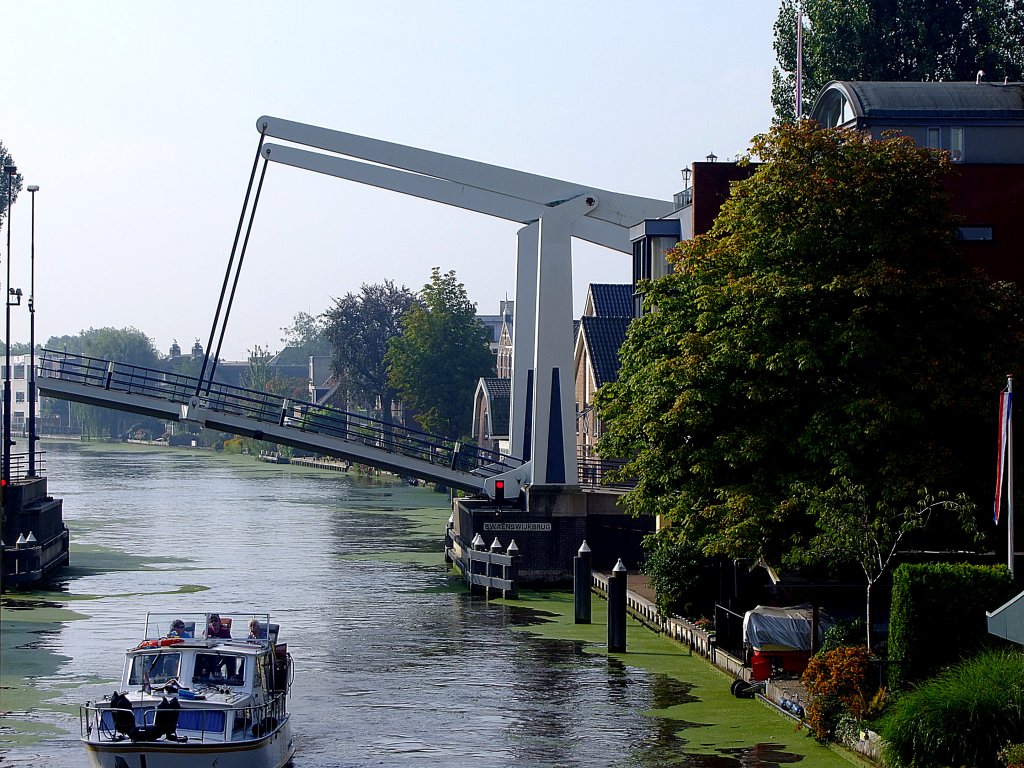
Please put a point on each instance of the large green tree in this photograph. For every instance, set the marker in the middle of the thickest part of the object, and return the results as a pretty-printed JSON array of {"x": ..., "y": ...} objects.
[
  {"x": 441, "y": 355},
  {"x": 824, "y": 335},
  {"x": 358, "y": 327},
  {"x": 123, "y": 345},
  {"x": 903, "y": 40},
  {"x": 307, "y": 334},
  {"x": 263, "y": 377}
]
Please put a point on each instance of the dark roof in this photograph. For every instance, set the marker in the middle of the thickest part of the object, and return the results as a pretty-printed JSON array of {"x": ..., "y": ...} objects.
[
  {"x": 290, "y": 356},
  {"x": 498, "y": 387},
  {"x": 932, "y": 99},
  {"x": 612, "y": 299},
  {"x": 499, "y": 402},
  {"x": 603, "y": 337},
  {"x": 231, "y": 371}
]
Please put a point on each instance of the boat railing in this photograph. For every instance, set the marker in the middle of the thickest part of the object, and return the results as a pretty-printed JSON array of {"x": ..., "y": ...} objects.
[
  {"x": 199, "y": 723},
  {"x": 240, "y": 625}
]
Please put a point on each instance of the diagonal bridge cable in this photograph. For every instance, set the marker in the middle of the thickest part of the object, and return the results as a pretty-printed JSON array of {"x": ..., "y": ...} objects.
[
  {"x": 231, "y": 261},
  {"x": 238, "y": 271}
]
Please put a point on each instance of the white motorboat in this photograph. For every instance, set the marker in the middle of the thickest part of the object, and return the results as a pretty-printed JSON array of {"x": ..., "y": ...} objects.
[{"x": 195, "y": 692}]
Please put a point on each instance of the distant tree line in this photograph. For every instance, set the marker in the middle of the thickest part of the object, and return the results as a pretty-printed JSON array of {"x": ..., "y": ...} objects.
[{"x": 395, "y": 354}]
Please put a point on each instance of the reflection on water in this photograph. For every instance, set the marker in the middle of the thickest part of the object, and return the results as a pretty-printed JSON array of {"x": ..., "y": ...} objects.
[{"x": 393, "y": 666}]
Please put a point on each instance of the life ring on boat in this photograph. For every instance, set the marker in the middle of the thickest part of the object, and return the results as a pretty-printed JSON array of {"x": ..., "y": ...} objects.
[{"x": 161, "y": 643}]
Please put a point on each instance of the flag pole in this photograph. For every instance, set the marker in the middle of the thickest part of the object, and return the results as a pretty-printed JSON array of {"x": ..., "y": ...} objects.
[
  {"x": 1009, "y": 477},
  {"x": 799, "y": 58}
]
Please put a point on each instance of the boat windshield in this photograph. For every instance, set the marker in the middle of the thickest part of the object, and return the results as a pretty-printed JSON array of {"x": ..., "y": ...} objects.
[
  {"x": 155, "y": 668},
  {"x": 218, "y": 669}
]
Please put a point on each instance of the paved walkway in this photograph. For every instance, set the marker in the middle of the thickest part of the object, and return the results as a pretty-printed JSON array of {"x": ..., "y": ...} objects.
[{"x": 641, "y": 584}]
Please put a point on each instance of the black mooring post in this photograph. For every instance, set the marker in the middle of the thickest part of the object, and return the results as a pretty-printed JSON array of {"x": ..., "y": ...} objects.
[
  {"x": 617, "y": 609},
  {"x": 581, "y": 584}
]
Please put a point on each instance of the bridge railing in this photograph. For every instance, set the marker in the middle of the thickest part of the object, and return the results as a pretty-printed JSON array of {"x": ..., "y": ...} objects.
[
  {"x": 268, "y": 408},
  {"x": 595, "y": 473}
]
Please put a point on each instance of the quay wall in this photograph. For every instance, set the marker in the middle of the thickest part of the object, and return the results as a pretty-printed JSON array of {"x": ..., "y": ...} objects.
[{"x": 550, "y": 527}]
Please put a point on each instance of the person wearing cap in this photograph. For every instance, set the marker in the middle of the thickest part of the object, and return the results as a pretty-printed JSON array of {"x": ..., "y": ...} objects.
[
  {"x": 216, "y": 629},
  {"x": 178, "y": 629}
]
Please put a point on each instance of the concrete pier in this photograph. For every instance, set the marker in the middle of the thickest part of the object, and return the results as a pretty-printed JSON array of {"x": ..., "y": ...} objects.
[{"x": 549, "y": 524}]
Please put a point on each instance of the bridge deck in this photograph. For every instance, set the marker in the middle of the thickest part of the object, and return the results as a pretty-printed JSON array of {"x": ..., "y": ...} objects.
[{"x": 263, "y": 416}]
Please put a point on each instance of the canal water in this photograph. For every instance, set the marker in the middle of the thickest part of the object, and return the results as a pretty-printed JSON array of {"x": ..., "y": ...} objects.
[{"x": 395, "y": 663}]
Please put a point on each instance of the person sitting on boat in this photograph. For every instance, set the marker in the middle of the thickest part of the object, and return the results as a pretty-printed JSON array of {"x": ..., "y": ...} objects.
[
  {"x": 256, "y": 630},
  {"x": 217, "y": 628},
  {"x": 178, "y": 629}
]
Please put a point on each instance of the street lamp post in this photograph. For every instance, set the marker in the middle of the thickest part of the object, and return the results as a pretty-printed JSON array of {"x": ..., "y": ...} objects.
[
  {"x": 5, "y": 469},
  {"x": 33, "y": 188}
]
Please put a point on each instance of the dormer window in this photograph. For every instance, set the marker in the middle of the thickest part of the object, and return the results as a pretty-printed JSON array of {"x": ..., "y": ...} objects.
[{"x": 834, "y": 109}]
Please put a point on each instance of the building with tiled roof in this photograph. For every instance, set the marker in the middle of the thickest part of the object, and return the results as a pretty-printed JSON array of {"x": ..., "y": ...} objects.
[
  {"x": 609, "y": 300},
  {"x": 491, "y": 410},
  {"x": 600, "y": 332}
]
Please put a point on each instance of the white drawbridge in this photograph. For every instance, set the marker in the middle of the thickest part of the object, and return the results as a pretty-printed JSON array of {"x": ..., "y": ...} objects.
[{"x": 543, "y": 430}]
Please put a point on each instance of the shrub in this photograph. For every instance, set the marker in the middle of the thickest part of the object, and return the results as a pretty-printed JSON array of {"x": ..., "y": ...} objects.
[
  {"x": 950, "y": 596},
  {"x": 843, "y": 632},
  {"x": 837, "y": 682},
  {"x": 1012, "y": 755},
  {"x": 235, "y": 445},
  {"x": 962, "y": 717},
  {"x": 678, "y": 575}
]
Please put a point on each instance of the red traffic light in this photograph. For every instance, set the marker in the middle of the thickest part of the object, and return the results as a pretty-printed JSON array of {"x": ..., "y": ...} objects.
[{"x": 499, "y": 491}]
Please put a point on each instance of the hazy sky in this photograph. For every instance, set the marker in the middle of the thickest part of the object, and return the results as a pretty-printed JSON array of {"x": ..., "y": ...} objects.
[{"x": 138, "y": 122}]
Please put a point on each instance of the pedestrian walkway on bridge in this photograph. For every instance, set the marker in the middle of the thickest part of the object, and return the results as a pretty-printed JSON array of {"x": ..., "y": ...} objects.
[{"x": 322, "y": 429}]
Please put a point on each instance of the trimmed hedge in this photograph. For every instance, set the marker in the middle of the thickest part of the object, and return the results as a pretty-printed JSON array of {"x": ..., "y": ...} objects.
[{"x": 938, "y": 616}]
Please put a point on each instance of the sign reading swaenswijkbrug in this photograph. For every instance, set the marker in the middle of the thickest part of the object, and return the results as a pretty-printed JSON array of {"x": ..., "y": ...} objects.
[{"x": 517, "y": 527}]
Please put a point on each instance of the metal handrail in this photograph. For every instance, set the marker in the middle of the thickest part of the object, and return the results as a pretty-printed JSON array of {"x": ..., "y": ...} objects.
[
  {"x": 594, "y": 472},
  {"x": 20, "y": 465},
  {"x": 268, "y": 408},
  {"x": 90, "y": 718}
]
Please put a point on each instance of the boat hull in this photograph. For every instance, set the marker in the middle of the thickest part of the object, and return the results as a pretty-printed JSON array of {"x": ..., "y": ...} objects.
[{"x": 274, "y": 750}]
